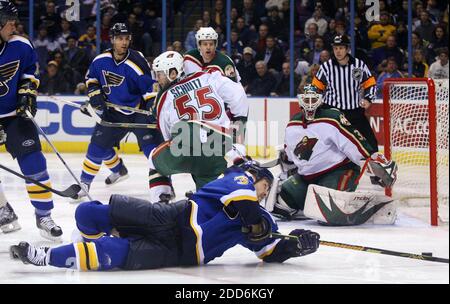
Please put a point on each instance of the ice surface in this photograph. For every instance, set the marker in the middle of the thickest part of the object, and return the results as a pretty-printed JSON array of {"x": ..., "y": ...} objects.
[{"x": 238, "y": 265}]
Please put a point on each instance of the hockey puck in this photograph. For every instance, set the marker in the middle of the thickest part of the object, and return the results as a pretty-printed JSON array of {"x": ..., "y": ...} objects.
[{"x": 427, "y": 254}]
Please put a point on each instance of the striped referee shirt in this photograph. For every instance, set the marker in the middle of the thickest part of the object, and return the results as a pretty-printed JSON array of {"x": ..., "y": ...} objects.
[{"x": 345, "y": 85}]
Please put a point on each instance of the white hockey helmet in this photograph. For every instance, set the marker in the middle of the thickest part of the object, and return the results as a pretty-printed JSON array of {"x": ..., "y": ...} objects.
[
  {"x": 206, "y": 33},
  {"x": 310, "y": 100},
  {"x": 167, "y": 61}
]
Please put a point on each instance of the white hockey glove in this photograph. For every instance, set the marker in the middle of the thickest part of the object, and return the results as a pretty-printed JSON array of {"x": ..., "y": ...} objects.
[{"x": 382, "y": 172}]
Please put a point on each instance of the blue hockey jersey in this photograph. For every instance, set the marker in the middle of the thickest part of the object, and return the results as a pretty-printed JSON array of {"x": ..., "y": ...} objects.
[
  {"x": 18, "y": 61},
  {"x": 123, "y": 83},
  {"x": 215, "y": 229}
]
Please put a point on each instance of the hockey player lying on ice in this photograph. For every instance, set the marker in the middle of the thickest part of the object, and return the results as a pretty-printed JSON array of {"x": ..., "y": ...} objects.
[
  {"x": 321, "y": 165},
  {"x": 222, "y": 214}
]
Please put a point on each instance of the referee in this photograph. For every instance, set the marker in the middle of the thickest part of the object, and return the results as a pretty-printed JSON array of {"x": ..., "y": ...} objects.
[{"x": 349, "y": 86}]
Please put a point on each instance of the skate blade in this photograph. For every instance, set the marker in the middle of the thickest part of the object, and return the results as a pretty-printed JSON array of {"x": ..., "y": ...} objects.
[
  {"x": 11, "y": 227},
  {"x": 120, "y": 179},
  {"x": 48, "y": 236}
]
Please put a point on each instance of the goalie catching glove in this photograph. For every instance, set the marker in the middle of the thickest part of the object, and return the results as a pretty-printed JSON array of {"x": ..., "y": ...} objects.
[
  {"x": 381, "y": 171},
  {"x": 306, "y": 243}
]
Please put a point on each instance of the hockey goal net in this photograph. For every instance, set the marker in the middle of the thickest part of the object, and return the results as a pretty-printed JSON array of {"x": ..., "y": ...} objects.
[{"x": 416, "y": 136}]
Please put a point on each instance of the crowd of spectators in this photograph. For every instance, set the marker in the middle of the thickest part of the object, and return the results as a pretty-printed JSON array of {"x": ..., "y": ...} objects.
[{"x": 259, "y": 38}]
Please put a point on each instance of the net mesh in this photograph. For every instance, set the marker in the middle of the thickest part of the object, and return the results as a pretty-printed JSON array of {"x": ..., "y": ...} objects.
[{"x": 410, "y": 129}]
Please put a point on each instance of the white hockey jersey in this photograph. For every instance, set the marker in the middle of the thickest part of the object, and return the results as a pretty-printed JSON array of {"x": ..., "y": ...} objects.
[
  {"x": 325, "y": 143},
  {"x": 201, "y": 97}
]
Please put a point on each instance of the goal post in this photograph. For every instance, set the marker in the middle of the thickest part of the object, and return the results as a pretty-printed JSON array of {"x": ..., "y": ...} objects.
[{"x": 416, "y": 130}]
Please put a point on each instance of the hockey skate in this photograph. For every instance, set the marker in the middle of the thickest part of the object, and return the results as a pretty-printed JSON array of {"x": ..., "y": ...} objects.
[
  {"x": 119, "y": 176},
  {"x": 29, "y": 254},
  {"x": 48, "y": 229},
  {"x": 81, "y": 194},
  {"x": 8, "y": 219}
]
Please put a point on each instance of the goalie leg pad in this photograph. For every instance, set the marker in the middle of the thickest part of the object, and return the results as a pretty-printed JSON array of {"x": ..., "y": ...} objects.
[
  {"x": 338, "y": 208},
  {"x": 290, "y": 200}
]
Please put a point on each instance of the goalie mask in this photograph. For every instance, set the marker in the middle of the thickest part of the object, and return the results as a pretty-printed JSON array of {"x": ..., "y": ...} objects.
[
  {"x": 206, "y": 33},
  {"x": 167, "y": 61},
  {"x": 310, "y": 101}
]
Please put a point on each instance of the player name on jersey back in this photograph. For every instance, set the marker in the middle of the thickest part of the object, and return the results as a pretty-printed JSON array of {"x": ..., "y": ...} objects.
[{"x": 185, "y": 88}]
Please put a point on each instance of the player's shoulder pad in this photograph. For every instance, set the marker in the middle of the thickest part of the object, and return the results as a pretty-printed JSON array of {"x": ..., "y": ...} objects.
[
  {"x": 238, "y": 177},
  {"x": 297, "y": 117},
  {"x": 105, "y": 54},
  {"x": 193, "y": 53},
  {"x": 333, "y": 114},
  {"x": 224, "y": 58},
  {"x": 138, "y": 59},
  {"x": 20, "y": 40}
]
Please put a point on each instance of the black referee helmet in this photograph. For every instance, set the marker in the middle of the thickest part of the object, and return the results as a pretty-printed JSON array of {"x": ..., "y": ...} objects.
[
  {"x": 8, "y": 12},
  {"x": 340, "y": 40}
]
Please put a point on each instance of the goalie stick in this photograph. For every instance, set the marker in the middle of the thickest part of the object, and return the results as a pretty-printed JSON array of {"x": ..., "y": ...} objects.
[
  {"x": 369, "y": 249},
  {"x": 69, "y": 192}
]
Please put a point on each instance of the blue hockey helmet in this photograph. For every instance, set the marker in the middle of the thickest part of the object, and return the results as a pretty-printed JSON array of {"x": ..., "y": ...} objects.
[
  {"x": 8, "y": 12},
  {"x": 255, "y": 168}
]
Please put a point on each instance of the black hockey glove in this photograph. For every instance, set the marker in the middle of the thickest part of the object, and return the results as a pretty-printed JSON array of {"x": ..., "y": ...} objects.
[
  {"x": 259, "y": 232},
  {"x": 97, "y": 101},
  {"x": 2, "y": 136},
  {"x": 26, "y": 99},
  {"x": 307, "y": 243}
]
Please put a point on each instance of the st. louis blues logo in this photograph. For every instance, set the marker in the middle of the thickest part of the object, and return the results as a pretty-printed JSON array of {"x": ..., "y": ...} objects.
[
  {"x": 7, "y": 72},
  {"x": 111, "y": 80}
]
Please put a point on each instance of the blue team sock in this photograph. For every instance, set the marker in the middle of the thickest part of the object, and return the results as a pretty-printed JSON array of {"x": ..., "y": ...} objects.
[
  {"x": 103, "y": 254},
  {"x": 93, "y": 220},
  {"x": 148, "y": 148},
  {"x": 93, "y": 162},
  {"x": 34, "y": 165}
]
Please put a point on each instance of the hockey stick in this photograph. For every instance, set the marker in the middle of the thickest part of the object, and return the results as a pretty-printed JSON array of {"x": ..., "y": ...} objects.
[
  {"x": 69, "y": 192},
  {"x": 269, "y": 164},
  {"x": 57, "y": 153},
  {"x": 423, "y": 257},
  {"x": 101, "y": 122},
  {"x": 131, "y": 109},
  {"x": 117, "y": 124}
]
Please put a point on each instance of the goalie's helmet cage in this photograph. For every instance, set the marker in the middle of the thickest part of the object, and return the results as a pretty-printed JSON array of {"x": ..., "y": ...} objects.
[
  {"x": 206, "y": 33},
  {"x": 167, "y": 61},
  {"x": 8, "y": 12},
  {"x": 310, "y": 101}
]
